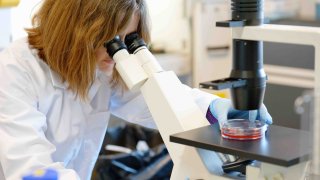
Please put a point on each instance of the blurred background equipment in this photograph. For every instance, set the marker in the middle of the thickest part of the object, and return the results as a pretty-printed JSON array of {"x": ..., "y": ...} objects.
[
  {"x": 42, "y": 174},
  {"x": 9, "y": 3},
  {"x": 132, "y": 152},
  {"x": 14, "y": 18}
]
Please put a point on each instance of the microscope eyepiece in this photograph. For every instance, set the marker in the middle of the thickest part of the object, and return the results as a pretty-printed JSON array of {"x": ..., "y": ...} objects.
[
  {"x": 114, "y": 46},
  {"x": 133, "y": 42}
]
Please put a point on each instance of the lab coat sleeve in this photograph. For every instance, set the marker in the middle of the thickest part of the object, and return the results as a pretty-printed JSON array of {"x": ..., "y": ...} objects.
[
  {"x": 24, "y": 146},
  {"x": 131, "y": 106},
  {"x": 201, "y": 98}
]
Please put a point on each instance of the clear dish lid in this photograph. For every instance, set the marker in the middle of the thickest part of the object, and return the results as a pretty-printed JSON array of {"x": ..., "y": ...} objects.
[{"x": 243, "y": 129}]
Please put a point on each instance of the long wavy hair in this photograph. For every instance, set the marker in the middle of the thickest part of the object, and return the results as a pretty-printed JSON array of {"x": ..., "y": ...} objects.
[{"x": 67, "y": 33}]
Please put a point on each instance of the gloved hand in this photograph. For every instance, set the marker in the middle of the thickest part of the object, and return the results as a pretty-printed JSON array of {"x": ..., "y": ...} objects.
[{"x": 221, "y": 110}]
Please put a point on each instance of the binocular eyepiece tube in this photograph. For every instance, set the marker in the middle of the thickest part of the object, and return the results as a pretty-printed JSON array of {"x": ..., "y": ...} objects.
[
  {"x": 131, "y": 44},
  {"x": 134, "y": 61}
]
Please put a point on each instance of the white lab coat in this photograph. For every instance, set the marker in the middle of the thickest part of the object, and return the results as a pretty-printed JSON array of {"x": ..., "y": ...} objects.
[{"x": 43, "y": 125}]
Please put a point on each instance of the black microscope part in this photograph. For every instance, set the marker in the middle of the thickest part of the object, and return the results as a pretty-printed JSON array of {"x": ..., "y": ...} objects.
[
  {"x": 247, "y": 80},
  {"x": 248, "y": 64},
  {"x": 245, "y": 13},
  {"x": 114, "y": 45},
  {"x": 249, "y": 10},
  {"x": 221, "y": 84},
  {"x": 133, "y": 42},
  {"x": 239, "y": 165}
]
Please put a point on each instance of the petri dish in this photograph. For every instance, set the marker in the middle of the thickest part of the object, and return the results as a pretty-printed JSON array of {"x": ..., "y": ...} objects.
[{"x": 243, "y": 129}]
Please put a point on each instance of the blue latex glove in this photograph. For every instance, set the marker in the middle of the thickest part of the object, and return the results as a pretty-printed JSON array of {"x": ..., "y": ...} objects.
[{"x": 221, "y": 110}]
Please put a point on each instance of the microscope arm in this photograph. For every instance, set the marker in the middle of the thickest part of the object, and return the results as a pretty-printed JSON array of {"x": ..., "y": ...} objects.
[
  {"x": 171, "y": 106},
  {"x": 174, "y": 110}
]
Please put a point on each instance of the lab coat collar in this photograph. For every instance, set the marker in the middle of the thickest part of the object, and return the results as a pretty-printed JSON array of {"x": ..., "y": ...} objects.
[
  {"x": 95, "y": 86},
  {"x": 56, "y": 80},
  {"x": 55, "y": 77}
]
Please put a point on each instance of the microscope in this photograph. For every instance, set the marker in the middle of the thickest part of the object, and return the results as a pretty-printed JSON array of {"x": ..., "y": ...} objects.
[{"x": 180, "y": 121}]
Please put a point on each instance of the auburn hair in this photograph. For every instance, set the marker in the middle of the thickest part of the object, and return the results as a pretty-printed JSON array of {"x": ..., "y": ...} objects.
[{"x": 67, "y": 33}]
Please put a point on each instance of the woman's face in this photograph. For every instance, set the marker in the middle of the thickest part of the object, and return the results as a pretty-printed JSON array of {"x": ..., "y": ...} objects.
[{"x": 105, "y": 62}]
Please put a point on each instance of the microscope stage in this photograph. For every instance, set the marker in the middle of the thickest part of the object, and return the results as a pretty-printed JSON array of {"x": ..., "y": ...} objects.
[{"x": 280, "y": 146}]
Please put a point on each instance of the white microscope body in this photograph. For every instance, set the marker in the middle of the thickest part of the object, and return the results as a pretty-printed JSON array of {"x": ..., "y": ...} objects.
[{"x": 170, "y": 104}]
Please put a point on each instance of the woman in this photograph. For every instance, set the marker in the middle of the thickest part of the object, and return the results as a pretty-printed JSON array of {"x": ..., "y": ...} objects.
[{"x": 58, "y": 87}]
